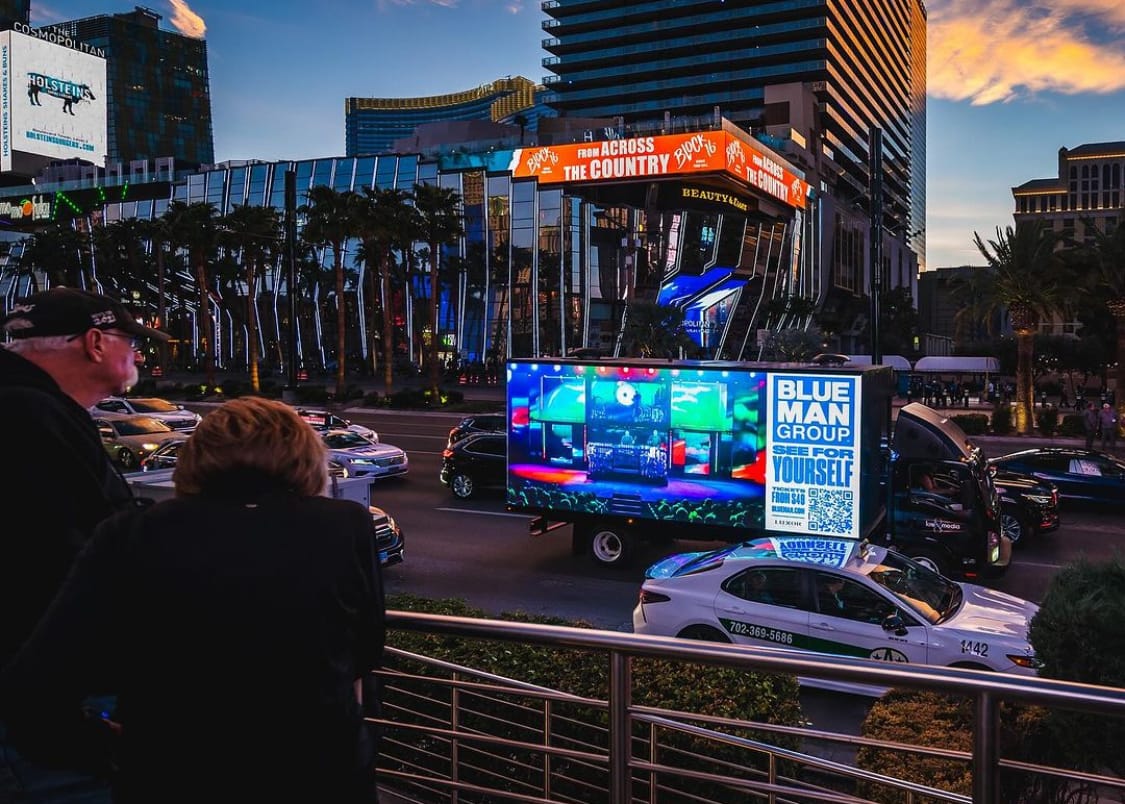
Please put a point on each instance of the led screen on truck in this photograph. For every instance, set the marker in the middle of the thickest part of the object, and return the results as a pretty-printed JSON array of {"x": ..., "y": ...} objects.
[{"x": 685, "y": 443}]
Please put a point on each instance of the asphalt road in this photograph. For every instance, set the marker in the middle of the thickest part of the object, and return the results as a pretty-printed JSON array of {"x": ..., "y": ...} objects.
[{"x": 476, "y": 551}]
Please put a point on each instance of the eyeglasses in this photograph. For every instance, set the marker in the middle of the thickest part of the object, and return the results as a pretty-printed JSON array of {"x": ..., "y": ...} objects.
[{"x": 134, "y": 341}]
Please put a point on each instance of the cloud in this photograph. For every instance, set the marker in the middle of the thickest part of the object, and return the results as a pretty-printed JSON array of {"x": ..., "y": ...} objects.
[
  {"x": 187, "y": 21},
  {"x": 989, "y": 51}
]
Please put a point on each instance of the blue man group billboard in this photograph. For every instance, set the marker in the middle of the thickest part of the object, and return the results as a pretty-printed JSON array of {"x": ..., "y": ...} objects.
[{"x": 715, "y": 444}]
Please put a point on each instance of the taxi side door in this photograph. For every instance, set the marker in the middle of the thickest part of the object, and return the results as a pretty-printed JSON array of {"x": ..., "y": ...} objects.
[
  {"x": 767, "y": 610},
  {"x": 854, "y": 620}
]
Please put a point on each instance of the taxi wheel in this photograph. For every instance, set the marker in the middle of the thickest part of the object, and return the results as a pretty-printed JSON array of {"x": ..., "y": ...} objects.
[{"x": 704, "y": 633}]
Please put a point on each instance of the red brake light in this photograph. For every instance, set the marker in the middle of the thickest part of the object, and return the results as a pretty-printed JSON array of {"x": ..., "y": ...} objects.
[
  {"x": 648, "y": 596},
  {"x": 447, "y": 453}
]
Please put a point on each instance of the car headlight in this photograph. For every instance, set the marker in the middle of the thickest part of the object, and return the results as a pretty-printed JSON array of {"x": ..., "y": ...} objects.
[
  {"x": 149, "y": 446},
  {"x": 392, "y": 523},
  {"x": 362, "y": 461},
  {"x": 1040, "y": 499}
]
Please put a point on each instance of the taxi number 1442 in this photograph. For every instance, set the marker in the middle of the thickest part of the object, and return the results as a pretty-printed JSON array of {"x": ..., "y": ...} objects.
[{"x": 975, "y": 648}]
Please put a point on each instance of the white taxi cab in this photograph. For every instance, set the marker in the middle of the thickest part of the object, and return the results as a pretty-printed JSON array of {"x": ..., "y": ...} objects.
[{"x": 835, "y": 596}]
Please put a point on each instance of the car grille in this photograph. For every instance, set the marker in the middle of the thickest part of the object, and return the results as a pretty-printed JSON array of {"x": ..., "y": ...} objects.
[
  {"x": 180, "y": 424},
  {"x": 395, "y": 461}
]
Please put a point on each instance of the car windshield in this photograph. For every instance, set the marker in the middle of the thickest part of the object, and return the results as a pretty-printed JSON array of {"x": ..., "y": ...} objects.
[
  {"x": 154, "y": 406},
  {"x": 934, "y": 597},
  {"x": 139, "y": 425},
  {"x": 345, "y": 440}
]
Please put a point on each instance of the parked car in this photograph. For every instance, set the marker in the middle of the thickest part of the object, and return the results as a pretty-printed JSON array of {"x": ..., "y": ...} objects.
[
  {"x": 173, "y": 414},
  {"x": 1080, "y": 474},
  {"x": 361, "y": 457},
  {"x": 130, "y": 439},
  {"x": 325, "y": 420},
  {"x": 478, "y": 423},
  {"x": 835, "y": 596},
  {"x": 1029, "y": 506},
  {"x": 475, "y": 461}
]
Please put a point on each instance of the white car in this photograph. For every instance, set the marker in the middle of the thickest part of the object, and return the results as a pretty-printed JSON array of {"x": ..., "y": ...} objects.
[
  {"x": 324, "y": 420},
  {"x": 835, "y": 596},
  {"x": 172, "y": 414},
  {"x": 360, "y": 457}
]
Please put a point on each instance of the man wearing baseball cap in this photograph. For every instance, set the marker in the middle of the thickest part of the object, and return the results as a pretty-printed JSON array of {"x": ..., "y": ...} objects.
[{"x": 68, "y": 349}]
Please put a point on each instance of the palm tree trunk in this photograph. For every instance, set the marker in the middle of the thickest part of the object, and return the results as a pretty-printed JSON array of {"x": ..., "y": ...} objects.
[
  {"x": 388, "y": 326},
  {"x": 435, "y": 307},
  {"x": 206, "y": 325},
  {"x": 341, "y": 324},
  {"x": 1117, "y": 307},
  {"x": 161, "y": 308},
  {"x": 252, "y": 325},
  {"x": 1025, "y": 395}
]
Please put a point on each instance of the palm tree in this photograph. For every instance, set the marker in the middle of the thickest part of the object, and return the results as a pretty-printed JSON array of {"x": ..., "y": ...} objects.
[
  {"x": 156, "y": 231},
  {"x": 330, "y": 220},
  {"x": 1107, "y": 282},
  {"x": 194, "y": 228},
  {"x": 1023, "y": 276},
  {"x": 388, "y": 221},
  {"x": 57, "y": 252},
  {"x": 439, "y": 209},
  {"x": 255, "y": 232}
]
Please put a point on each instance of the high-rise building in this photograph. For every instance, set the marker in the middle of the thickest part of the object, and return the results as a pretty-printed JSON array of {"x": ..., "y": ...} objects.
[
  {"x": 374, "y": 124},
  {"x": 1089, "y": 189},
  {"x": 157, "y": 84},
  {"x": 863, "y": 64},
  {"x": 13, "y": 12}
]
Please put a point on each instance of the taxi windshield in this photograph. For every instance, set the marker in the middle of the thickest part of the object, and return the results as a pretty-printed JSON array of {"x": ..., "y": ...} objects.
[{"x": 932, "y": 596}]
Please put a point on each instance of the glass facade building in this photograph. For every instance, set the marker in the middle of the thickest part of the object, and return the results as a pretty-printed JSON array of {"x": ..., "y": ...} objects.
[
  {"x": 667, "y": 64},
  {"x": 373, "y": 124},
  {"x": 14, "y": 11},
  {"x": 158, "y": 87}
]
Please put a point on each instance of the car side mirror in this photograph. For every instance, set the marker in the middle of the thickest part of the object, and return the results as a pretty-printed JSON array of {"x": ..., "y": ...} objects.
[{"x": 895, "y": 624}]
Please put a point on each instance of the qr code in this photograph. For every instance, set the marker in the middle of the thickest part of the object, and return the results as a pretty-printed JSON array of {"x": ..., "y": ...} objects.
[{"x": 830, "y": 511}]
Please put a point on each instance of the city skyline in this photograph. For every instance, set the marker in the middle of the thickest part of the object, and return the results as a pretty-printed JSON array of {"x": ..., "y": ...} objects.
[{"x": 1008, "y": 83}]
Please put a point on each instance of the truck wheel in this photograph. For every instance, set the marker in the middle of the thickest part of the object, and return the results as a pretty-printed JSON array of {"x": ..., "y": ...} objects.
[
  {"x": 1013, "y": 526},
  {"x": 930, "y": 560},
  {"x": 611, "y": 546},
  {"x": 462, "y": 486},
  {"x": 704, "y": 633}
]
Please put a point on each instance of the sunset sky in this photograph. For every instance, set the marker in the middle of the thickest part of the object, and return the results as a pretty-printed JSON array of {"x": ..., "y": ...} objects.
[{"x": 1010, "y": 82}]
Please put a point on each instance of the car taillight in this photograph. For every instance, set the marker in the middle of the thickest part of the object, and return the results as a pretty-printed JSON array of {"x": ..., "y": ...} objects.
[
  {"x": 447, "y": 453},
  {"x": 648, "y": 596}
]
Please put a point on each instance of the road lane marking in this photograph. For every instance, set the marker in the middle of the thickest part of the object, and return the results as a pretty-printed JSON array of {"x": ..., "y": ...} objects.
[{"x": 482, "y": 513}]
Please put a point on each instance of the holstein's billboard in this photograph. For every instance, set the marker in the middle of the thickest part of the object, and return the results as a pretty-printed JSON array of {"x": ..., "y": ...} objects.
[
  {"x": 52, "y": 103},
  {"x": 666, "y": 155}
]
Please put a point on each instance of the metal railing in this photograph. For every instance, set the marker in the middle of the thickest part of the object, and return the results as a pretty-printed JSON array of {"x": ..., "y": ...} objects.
[{"x": 457, "y": 734}]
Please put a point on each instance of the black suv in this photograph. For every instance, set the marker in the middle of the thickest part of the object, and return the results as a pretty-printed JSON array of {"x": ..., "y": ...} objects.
[
  {"x": 475, "y": 461},
  {"x": 1028, "y": 506},
  {"x": 478, "y": 423}
]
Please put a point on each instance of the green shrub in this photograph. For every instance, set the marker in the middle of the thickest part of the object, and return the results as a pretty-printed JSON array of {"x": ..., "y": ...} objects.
[
  {"x": 1077, "y": 636},
  {"x": 711, "y": 690},
  {"x": 312, "y": 394},
  {"x": 1002, "y": 420},
  {"x": 972, "y": 423},
  {"x": 371, "y": 400},
  {"x": 1047, "y": 420}
]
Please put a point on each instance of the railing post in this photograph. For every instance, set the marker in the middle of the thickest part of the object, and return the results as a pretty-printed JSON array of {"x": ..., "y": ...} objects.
[
  {"x": 986, "y": 768},
  {"x": 620, "y": 691},
  {"x": 455, "y": 743}
]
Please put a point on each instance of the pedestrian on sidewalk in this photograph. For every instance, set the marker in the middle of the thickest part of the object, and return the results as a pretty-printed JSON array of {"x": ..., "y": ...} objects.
[
  {"x": 1090, "y": 424},
  {"x": 1107, "y": 420}
]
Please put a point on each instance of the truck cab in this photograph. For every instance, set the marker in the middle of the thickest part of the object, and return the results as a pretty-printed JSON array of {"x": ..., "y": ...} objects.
[{"x": 942, "y": 507}]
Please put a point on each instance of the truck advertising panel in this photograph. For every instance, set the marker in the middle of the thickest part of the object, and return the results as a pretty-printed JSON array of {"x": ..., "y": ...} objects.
[
  {"x": 680, "y": 445},
  {"x": 812, "y": 440},
  {"x": 52, "y": 103}
]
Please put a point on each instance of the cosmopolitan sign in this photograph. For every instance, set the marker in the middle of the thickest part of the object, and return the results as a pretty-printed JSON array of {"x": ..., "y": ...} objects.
[
  {"x": 813, "y": 458},
  {"x": 666, "y": 155}
]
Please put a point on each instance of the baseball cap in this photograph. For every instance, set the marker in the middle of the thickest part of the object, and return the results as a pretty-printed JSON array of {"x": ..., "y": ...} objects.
[{"x": 69, "y": 311}]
